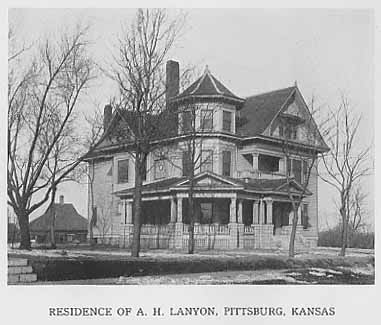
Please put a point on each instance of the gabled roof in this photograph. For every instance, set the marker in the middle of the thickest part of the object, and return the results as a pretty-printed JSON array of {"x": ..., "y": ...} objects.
[
  {"x": 208, "y": 86},
  {"x": 259, "y": 110},
  {"x": 67, "y": 219}
]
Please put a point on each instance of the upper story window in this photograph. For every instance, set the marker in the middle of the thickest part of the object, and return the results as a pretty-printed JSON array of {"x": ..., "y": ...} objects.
[
  {"x": 187, "y": 163},
  {"x": 298, "y": 169},
  {"x": 206, "y": 120},
  {"x": 186, "y": 119},
  {"x": 160, "y": 168},
  {"x": 144, "y": 171},
  {"x": 268, "y": 164},
  {"x": 291, "y": 131},
  {"x": 206, "y": 160},
  {"x": 122, "y": 171},
  {"x": 226, "y": 163},
  {"x": 227, "y": 121}
]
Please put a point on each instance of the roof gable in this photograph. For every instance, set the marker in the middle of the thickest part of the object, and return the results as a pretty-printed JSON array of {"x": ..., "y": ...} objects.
[
  {"x": 258, "y": 111},
  {"x": 295, "y": 109},
  {"x": 209, "y": 179}
]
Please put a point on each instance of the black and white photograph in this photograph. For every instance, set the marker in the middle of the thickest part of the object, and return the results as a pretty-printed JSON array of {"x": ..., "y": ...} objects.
[{"x": 190, "y": 147}]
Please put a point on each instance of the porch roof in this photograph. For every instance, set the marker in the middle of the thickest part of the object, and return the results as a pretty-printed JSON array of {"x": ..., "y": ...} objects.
[{"x": 208, "y": 181}]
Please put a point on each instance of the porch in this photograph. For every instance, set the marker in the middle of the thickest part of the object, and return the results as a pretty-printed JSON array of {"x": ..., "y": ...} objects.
[
  {"x": 228, "y": 214},
  {"x": 219, "y": 222}
]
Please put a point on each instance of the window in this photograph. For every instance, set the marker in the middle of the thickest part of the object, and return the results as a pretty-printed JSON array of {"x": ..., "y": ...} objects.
[
  {"x": 187, "y": 121},
  {"x": 297, "y": 170},
  {"x": 226, "y": 163},
  {"x": 160, "y": 168},
  {"x": 294, "y": 169},
  {"x": 305, "y": 171},
  {"x": 268, "y": 164},
  {"x": 187, "y": 163},
  {"x": 207, "y": 160},
  {"x": 144, "y": 173},
  {"x": 227, "y": 121},
  {"x": 206, "y": 209},
  {"x": 206, "y": 120},
  {"x": 288, "y": 166},
  {"x": 290, "y": 131},
  {"x": 305, "y": 218},
  {"x": 123, "y": 171}
]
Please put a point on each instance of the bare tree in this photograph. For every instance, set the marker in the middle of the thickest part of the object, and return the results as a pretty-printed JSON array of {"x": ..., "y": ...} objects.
[
  {"x": 345, "y": 164},
  {"x": 357, "y": 208},
  {"x": 138, "y": 70},
  {"x": 301, "y": 158},
  {"x": 44, "y": 90},
  {"x": 196, "y": 119}
]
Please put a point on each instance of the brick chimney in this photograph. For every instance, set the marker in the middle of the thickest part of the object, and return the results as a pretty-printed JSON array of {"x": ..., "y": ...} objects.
[
  {"x": 62, "y": 201},
  {"x": 107, "y": 114},
  {"x": 172, "y": 80}
]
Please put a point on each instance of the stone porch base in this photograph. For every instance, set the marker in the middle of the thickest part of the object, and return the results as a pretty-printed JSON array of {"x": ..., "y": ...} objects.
[{"x": 223, "y": 237}]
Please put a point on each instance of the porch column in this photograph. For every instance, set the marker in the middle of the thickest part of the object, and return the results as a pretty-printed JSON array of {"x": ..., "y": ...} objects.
[
  {"x": 300, "y": 215},
  {"x": 261, "y": 212},
  {"x": 282, "y": 165},
  {"x": 233, "y": 211},
  {"x": 179, "y": 210},
  {"x": 128, "y": 212},
  {"x": 269, "y": 208},
  {"x": 255, "y": 219},
  {"x": 255, "y": 161},
  {"x": 240, "y": 218},
  {"x": 173, "y": 210}
]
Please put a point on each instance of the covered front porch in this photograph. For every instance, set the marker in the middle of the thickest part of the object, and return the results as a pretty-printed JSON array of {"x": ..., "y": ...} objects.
[{"x": 226, "y": 216}]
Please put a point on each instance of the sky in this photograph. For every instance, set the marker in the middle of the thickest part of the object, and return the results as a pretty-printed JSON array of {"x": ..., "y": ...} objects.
[{"x": 328, "y": 52}]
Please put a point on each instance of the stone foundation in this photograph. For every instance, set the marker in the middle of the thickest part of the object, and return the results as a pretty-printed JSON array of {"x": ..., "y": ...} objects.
[{"x": 224, "y": 237}]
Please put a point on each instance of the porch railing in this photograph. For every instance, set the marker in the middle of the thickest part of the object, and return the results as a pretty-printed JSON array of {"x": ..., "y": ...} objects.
[
  {"x": 155, "y": 229},
  {"x": 209, "y": 229}
]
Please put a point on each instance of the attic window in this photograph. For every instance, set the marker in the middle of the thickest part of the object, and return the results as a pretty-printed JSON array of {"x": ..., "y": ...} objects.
[{"x": 268, "y": 164}]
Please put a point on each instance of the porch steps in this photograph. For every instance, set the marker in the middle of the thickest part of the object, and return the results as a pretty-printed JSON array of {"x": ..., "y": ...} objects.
[{"x": 20, "y": 272}]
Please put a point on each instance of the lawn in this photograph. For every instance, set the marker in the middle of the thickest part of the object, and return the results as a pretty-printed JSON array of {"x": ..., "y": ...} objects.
[{"x": 83, "y": 263}]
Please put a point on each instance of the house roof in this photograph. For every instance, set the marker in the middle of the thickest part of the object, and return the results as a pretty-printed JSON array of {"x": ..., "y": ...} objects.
[
  {"x": 259, "y": 110},
  {"x": 67, "y": 219},
  {"x": 208, "y": 86},
  {"x": 254, "y": 185}
]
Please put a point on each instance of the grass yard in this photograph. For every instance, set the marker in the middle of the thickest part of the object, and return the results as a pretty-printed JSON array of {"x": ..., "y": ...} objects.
[{"x": 162, "y": 266}]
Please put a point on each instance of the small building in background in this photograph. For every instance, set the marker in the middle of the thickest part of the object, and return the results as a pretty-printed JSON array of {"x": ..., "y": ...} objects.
[{"x": 69, "y": 225}]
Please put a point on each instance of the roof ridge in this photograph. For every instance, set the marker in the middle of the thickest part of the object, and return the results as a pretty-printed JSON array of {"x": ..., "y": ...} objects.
[
  {"x": 201, "y": 79},
  {"x": 214, "y": 83},
  {"x": 270, "y": 92}
]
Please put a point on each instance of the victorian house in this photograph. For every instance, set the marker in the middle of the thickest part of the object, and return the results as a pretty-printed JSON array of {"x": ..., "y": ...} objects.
[{"x": 242, "y": 187}]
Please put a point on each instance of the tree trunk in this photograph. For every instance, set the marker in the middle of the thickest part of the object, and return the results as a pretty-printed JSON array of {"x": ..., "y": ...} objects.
[
  {"x": 52, "y": 211},
  {"x": 291, "y": 248},
  {"x": 344, "y": 233},
  {"x": 191, "y": 216},
  {"x": 137, "y": 209},
  {"x": 23, "y": 219},
  {"x": 52, "y": 229}
]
